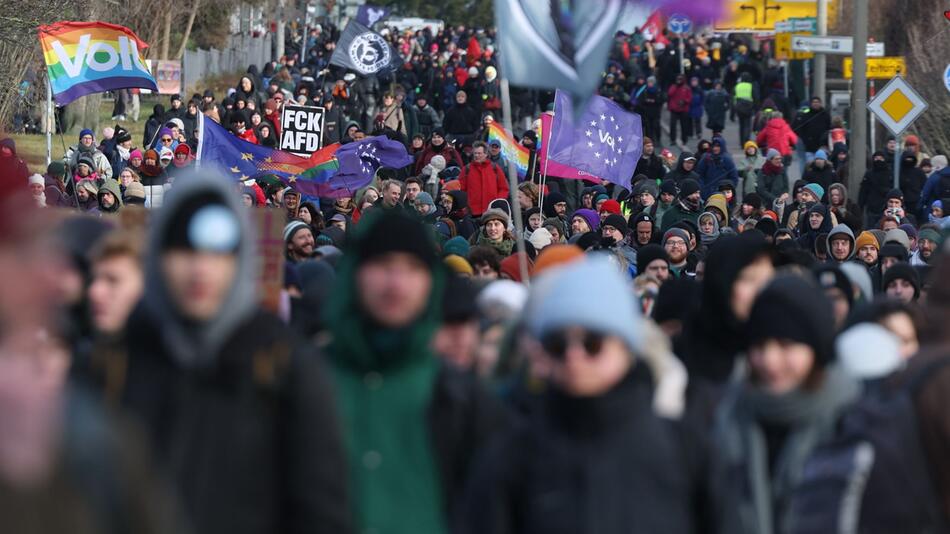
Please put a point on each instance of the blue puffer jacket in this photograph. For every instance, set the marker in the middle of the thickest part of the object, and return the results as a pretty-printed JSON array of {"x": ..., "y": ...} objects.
[{"x": 714, "y": 169}]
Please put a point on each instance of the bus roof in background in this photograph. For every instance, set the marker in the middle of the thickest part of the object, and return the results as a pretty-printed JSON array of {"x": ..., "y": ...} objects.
[{"x": 413, "y": 23}]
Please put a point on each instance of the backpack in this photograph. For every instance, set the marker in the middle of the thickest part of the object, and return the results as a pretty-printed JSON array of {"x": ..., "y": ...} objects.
[
  {"x": 874, "y": 476},
  {"x": 744, "y": 107}
]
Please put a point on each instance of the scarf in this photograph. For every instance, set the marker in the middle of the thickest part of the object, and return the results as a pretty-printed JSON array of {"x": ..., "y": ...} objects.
[
  {"x": 771, "y": 168},
  {"x": 123, "y": 152},
  {"x": 504, "y": 245},
  {"x": 809, "y": 417}
]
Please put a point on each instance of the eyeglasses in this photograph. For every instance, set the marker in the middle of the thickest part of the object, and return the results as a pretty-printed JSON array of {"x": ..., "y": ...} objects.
[
  {"x": 166, "y": 139},
  {"x": 678, "y": 243},
  {"x": 556, "y": 343}
]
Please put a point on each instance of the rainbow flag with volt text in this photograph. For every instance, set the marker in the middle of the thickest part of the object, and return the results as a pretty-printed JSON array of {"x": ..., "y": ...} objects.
[
  {"x": 92, "y": 57},
  {"x": 511, "y": 150}
]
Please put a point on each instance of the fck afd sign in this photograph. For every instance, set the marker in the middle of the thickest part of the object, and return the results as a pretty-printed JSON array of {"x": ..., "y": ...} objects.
[{"x": 301, "y": 129}]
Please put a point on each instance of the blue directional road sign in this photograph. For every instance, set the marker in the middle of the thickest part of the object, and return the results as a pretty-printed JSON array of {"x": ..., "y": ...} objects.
[{"x": 678, "y": 23}]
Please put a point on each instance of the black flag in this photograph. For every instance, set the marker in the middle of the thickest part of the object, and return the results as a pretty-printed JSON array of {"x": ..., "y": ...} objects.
[{"x": 364, "y": 51}]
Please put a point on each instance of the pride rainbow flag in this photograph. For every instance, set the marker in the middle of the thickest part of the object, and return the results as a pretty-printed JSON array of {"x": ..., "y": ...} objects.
[
  {"x": 511, "y": 150},
  {"x": 92, "y": 57}
]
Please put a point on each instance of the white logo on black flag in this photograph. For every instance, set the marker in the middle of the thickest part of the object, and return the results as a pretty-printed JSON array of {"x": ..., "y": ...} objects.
[
  {"x": 301, "y": 129},
  {"x": 364, "y": 51}
]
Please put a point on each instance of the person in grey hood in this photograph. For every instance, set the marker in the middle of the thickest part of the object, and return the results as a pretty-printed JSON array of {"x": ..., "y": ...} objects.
[
  {"x": 240, "y": 416},
  {"x": 841, "y": 243}
]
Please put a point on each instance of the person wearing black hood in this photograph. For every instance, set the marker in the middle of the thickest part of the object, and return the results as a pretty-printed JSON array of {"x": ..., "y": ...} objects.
[
  {"x": 877, "y": 182},
  {"x": 438, "y": 146},
  {"x": 737, "y": 268},
  {"x": 190, "y": 119},
  {"x": 643, "y": 229},
  {"x": 455, "y": 206},
  {"x": 773, "y": 417},
  {"x": 685, "y": 169},
  {"x": 238, "y": 414},
  {"x": 912, "y": 181},
  {"x": 817, "y": 222},
  {"x": 650, "y": 164},
  {"x": 687, "y": 207},
  {"x": 154, "y": 123}
]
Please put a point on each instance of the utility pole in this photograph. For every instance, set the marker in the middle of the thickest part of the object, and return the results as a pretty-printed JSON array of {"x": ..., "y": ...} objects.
[
  {"x": 820, "y": 58},
  {"x": 281, "y": 27},
  {"x": 859, "y": 97}
]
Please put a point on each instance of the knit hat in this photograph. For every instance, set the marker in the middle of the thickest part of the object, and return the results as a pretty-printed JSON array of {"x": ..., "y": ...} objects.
[
  {"x": 134, "y": 193},
  {"x": 588, "y": 293},
  {"x": 458, "y": 265},
  {"x": 135, "y": 154},
  {"x": 767, "y": 226},
  {"x": 384, "y": 231},
  {"x": 647, "y": 186},
  {"x": 902, "y": 271},
  {"x": 618, "y": 222},
  {"x": 868, "y": 351},
  {"x": 611, "y": 206},
  {"x": 292, "y": 228},
  {"x": 457, "y": 246},
  {"x": 585, "y": 241},
  {"x": 893, "y": 250},
  {"x": 894, "y": 193},
  {"x": 37, "y": 179},
  {"x": 772, "y": 153},
  {"x": 593, "y": 220},
  {"x": 864, "y": 239},
  {"x": 646, "y": 254},
  {"x": 540, "y": 238},
  {"x": 897, "y": 235},
  {"x": 122, "y": 135},
  {"x": 166, "y": 153},
  {"x": 676, "y": 232},
  {"x": 930, "y": 235},
  {"x": 795, "y": 309},
  {"x": 511, "y": 267},
  {"x": 86, "y": 131},
  {"x": 752, "y": 144},
  {"x": 821, "y": 154},
  {"x": 909, "y": 229},
  {"x": 816, "y": 190},
  {"x": 56, "y": 169},
  {"x": 87, "y": 160},
  {"x": 495, "y": 214},
  {"x": 425, "y": 198},
  {"x": 688, "y": 187},
  {"x": 600, "y": 197},
  {"x": 554, "y": 256},
  {"x": 830, "y": 276},
  {"x": 668, "y": 186}
]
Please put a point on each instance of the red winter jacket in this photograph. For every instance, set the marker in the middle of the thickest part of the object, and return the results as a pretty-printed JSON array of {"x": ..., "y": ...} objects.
[
  {"x": 483, "y": 182},
  {"x": 679, "y": 98},
  {"x": 778, "y": 135}
]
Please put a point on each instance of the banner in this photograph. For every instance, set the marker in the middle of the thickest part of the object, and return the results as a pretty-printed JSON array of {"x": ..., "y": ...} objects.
[
  {"x": 511, "y": 150},
  {"x": 301, "y": 129},
  {"x": 364, "y": 51},
  {"x": 368, "y": 14},
  {"x": 551, "y": 168},
  {"x": 168, "y": 76},
  {"x": 92, "y": 57},
  {"x": 607, "y": 141}
]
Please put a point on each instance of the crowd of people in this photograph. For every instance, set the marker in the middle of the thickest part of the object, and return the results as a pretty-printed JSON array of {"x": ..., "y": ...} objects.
[{"x": 711, "y": 350}]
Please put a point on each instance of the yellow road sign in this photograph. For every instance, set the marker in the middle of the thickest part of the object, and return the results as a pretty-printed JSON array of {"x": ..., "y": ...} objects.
[
  {"x": 897, "y": 105},
  {"x": 879, "y": 68},
  {"x": 761, "y": 15},
  {"x": 783, "y": 47}
]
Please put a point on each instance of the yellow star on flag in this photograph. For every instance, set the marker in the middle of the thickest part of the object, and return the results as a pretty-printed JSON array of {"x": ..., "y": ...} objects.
[
  {"x": 268, "y": 160},
  {"x": 244, "y": 177},
  {"x": 292, "y": 178},
  {"x": 235, "y": 169},
  {"x": 247, "y": 156}
]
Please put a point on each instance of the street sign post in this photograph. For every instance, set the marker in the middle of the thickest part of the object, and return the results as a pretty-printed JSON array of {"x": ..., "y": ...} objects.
[
  {"x": 878, "y": 68},
  {"x": 785, "y": 30},
  {"x": 751, "y": 16},
  {"x": 897, "y": 106},
  {"x": 678, "y": 23},
  {"x": 946, "y": 77},
  {"x": 832, "y": 44}
]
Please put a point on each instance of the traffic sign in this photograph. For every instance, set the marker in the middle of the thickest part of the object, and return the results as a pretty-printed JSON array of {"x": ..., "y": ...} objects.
[
  {"x": 946, "y": 77},
  {"x": 878, "y": 68},
  {"x": 897, "y": 105},
  {"x": 678, "y": 23},
  {"x": 751, "y": 16},
  {"x": 783, "y": 47},
  {"x": 833, "y": 44}
]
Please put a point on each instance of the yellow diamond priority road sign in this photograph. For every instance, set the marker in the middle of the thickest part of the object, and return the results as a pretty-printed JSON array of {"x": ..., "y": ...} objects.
[{"x": 897, "y": 105}]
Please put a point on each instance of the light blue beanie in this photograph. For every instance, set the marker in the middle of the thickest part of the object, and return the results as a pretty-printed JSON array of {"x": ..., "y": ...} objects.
[{"x": 592, "y": 294}]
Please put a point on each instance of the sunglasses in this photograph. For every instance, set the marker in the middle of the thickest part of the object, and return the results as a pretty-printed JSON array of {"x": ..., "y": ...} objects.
[
  {"x": 166, "y": 139},
  {"x": 557, "y": 342}
]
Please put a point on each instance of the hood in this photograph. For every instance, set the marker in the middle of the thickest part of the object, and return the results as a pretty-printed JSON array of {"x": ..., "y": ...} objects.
[
  {"x": 708, "y": 239},
  {"x": 840, "y": 187},
  {"x": 110, "y": 186},
  {"x": 776, "y": 123},
  {"x": 825, "y": 227},
  {"x": 908, "y": 160},
  {"x": 459, "y": 200},
  {"x": 194, "y": 345},
  {"x": 840, "y": 229},
  {"x": 722, "y": 143},
  {"x": 718, "y": 201},
  {"x": 9, "y": 143},
  {"x": 679, "y": 162}
]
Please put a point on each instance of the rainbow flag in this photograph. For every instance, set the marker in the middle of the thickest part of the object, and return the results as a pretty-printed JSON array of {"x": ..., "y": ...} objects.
[
  {"x": 511, "y": 150},
  {"x": 92, "y": 57}
]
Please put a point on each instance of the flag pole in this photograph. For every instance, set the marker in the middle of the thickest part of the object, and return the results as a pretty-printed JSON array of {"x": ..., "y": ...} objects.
[
  {"x": 50, "y": 122},
  {"x": 547, "y": 149},
  {"x": 513, "y": 184}
]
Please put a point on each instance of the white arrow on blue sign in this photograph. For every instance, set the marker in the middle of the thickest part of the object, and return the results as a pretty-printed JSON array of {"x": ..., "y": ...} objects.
[
  {"x": 946, "y": 77},
  {"x": 678, "y": 23}
]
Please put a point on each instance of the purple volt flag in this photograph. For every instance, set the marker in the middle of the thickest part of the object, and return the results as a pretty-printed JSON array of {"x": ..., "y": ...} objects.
[
  {"x": 359, "y": 160},
  {"x": 369, "y": 14},
  {"x": 606, "y": 141}
]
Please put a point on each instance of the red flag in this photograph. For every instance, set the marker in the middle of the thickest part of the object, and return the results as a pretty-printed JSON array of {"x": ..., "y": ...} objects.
[{"x": 652, "y": 29}]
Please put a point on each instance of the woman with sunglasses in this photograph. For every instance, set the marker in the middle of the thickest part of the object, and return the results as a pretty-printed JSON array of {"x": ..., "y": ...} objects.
[
  {"x": 598, "y": 451},
  {"x": 785, "y": 405}
]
